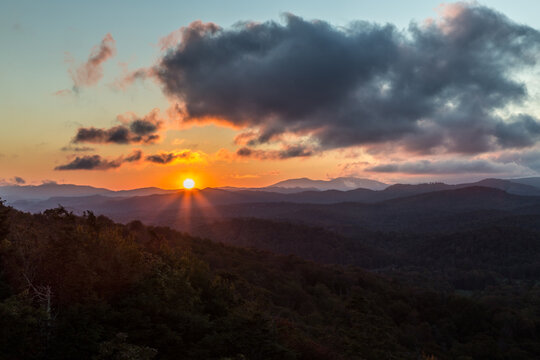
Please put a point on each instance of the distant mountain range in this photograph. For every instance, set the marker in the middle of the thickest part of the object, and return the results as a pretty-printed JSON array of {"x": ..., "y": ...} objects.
[
  {"x": 335, "y": 207},
  {"x": 302, "y": 190},
  {"x": 49, "y": 190},
  {"x": 304, "y": 184},
  {"x": 340, "y": 183}
]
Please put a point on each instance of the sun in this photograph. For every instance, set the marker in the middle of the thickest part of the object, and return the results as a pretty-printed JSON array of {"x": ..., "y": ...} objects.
[{"x": 189, "y": 184}]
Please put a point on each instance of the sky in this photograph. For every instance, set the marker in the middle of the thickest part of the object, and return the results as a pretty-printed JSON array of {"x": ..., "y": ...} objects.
[{"x": 131, "y": 94}]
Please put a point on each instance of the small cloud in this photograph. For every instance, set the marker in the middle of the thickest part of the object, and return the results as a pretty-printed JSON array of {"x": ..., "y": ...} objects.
[
  {"x": 91, "y": 71},
  {"x": 63, "y": 92},
  {"x": 89, "y": 162},
  {"x": 77, "y": 148},
  {"x": 134, "y": 130},
  {"x": 96, "y": 162},
  {"x": 16, "y": 180},
  {"x": 49, "y": 182},
  {"x": 287, "y": 152},
  {"x": 136, "y": 155},
  {"x": 185, "y": 156},
  {"x": 19, "y": 180}
]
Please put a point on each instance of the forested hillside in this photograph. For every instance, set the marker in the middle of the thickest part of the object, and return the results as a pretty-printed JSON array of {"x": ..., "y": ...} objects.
[{"x": 88, "y": 288}]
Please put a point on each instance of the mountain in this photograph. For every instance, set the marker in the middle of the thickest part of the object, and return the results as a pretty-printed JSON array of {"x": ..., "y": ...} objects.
[
  {"x": 78, "y": 197},
  {"x": 340, "y": 183},
  {"x": 531, "y": 181},
  {"x": 510, "y": 186},
  {"x": 48, "y": 190}
]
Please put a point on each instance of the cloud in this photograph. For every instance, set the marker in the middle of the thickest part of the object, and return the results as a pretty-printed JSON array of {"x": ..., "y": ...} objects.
[
  {"x": 77, "y": 148},
  {"x": 90, "y": 162},
  {"x": 136, "y": 155},
  {"x": 134, "y": 130},
  {"x": 289, "y": 151},
  {"x": 522, "y": 132},
  {"x": 91, "y": 71},
  {"x": 63, "y": 92},
  {"x": 19, "y": 180},
  {"x": 528, "y": 158},
  {"x": 465, "y": 166},
  {"x": 185, "y": 156},
  {"x": 437, "y": 87},
  {"x": 129, "y": 77},
  {"x": 96, "y": 162}
]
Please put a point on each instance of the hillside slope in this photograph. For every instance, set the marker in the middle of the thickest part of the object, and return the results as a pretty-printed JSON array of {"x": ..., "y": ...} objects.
[{"x": 131, "y": 291}]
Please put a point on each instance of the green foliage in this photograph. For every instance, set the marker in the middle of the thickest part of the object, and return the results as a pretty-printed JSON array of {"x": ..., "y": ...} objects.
[{"x": 137, "y": 292}]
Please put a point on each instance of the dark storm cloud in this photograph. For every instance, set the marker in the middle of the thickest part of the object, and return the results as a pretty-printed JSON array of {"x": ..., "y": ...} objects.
[
  {"x": 96, "y": 162},
  {"x": 433, "y": 87},
  {"x": 475, "y": 166},
  {"x": 137, "y": 130}
]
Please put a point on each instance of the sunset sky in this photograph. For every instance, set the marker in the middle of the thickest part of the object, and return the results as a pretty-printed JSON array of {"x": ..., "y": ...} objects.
[{"x": 131, "y": 94}]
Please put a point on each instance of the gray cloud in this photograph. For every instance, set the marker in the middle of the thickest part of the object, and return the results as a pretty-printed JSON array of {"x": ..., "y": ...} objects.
[
  {"x": 432, "y": 88},
  {"x": 16, "y": 180},
  {"x": 96, "y": 162},
  {"x": 77, "y": 148},
  {"x": 90, "y": 162},
  {"x": 136, "y": 155},
  {"x": 163, "y": 158},
  {"x": 441, "y": 167},
  {"x": 138, "y": 130},
  {"x": 168, "y": 157},
  {"x": 19, "y": 180},
  {"x": 529, "y": 158},
  {"x": 285, "y": 153}
]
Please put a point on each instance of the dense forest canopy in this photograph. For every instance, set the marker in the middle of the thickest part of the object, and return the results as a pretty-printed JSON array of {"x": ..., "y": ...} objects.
[{"x": 86, "y": 287}]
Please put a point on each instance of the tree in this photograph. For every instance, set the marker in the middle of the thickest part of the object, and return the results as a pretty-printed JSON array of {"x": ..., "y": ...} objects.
[{"x": 4, "y": 219}]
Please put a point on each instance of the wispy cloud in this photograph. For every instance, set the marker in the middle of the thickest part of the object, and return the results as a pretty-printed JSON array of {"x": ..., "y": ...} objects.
[{"x": 90, "y": 72}]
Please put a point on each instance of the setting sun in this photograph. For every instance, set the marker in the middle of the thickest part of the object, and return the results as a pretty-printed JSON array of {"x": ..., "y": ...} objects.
[{"x": 189, "y": 184}]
